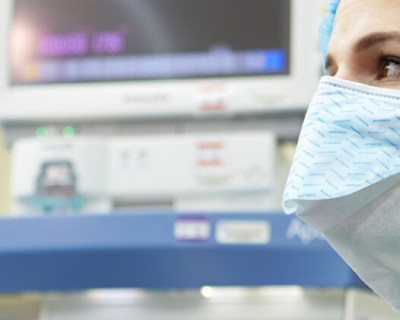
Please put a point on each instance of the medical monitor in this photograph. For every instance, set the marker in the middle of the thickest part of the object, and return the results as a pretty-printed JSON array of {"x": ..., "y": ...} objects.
[{"x": 102, "y": 59}]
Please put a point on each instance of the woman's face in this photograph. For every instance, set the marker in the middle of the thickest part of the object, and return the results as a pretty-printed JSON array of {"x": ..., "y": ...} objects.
[{"x": 365, "y": 43}]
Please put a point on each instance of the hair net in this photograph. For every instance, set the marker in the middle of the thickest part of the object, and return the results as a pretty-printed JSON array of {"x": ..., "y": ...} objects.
[{"x": 326, "y": 27}]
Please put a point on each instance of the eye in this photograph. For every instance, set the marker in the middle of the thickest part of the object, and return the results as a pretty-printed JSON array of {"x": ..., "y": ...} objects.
[{"x": 389, "y": 68}]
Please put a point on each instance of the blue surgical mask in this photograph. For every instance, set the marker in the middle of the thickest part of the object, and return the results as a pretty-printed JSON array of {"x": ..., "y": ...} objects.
[{"x": 345, "y": 178}]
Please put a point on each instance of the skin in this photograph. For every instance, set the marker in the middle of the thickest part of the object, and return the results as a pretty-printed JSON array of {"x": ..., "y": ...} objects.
[{"x": 365, "y": 43}]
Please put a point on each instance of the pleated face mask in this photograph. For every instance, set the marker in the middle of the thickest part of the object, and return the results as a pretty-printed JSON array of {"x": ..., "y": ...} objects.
[{"x": 345, "y": 179}]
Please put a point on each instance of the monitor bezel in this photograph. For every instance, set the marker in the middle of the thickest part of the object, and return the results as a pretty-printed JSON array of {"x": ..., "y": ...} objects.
[{"x": 168, "y": 98}]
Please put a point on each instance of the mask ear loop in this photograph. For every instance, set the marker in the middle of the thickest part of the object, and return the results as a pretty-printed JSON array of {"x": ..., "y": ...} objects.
[{"x": 326, "y": 27}]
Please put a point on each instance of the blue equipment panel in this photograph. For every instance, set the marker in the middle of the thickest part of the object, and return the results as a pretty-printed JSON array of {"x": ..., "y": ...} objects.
[{"x": 141, "y": 250}]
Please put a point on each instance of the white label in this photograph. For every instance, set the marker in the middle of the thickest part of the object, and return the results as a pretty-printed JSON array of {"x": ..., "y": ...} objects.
[
  {"x": 191, "y": 230},
  {"x": 243, "y": 232}
]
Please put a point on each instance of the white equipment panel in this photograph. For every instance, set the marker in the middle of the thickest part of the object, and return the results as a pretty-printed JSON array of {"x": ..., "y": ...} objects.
[
  {"x": 220, "y": 172},
  {"x": 188, "y": 165}
]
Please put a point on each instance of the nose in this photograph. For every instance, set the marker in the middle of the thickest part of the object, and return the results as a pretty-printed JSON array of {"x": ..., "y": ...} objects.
[{"x": 349, "y": 75}]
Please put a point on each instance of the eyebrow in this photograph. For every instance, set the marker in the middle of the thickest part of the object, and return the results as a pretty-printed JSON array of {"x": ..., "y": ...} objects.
[
  {"x": 367, "y": 42},
  {"x": 375, "y": 38}
]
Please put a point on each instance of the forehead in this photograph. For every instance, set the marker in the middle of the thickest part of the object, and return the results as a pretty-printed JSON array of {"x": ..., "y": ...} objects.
[{"x": 356, "y": 18}]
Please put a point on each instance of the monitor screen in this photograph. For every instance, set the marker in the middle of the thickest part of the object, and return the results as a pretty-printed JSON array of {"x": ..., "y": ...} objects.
[
  {"x": 80, "y": 41},
  {"x": 96, "y": 60}
]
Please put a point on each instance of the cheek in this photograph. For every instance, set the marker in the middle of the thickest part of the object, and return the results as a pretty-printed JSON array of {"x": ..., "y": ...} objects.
[{"x": 388, "y": 85}]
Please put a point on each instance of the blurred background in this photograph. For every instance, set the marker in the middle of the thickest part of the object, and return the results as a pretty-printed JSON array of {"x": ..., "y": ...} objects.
[
  {"x": 144, "y": 149},
  {"x": 5, "y": 196}
]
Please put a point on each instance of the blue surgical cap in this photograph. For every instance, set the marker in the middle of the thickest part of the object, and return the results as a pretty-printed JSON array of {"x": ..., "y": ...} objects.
[{"x": 326, "y": 27}]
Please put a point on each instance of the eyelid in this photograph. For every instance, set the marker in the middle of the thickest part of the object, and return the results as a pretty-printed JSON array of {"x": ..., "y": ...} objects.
[
  {"x": 384, "y": 59},
  {"x": 393, "y": 59}
]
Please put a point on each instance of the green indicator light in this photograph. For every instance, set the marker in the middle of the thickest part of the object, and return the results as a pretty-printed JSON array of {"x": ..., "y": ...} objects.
[
  {"x": 69, "y": 132},
  {"x": 41, "y": 132}
]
